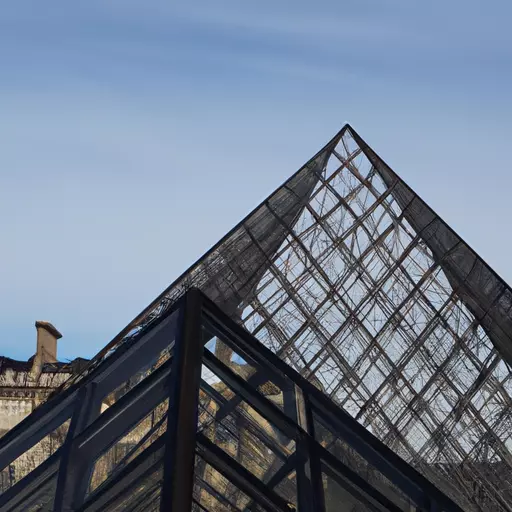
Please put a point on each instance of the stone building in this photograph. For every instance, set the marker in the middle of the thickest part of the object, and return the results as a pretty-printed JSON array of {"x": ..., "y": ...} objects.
[{"x": 26, "y": 384}]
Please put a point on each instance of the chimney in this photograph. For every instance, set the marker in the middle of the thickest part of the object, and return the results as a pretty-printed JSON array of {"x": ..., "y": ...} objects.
[{"x": 47, "y": 336}]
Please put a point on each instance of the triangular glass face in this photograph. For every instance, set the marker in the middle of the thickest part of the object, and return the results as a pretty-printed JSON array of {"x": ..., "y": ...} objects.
[
  {"x": 353, "y": 280},
  {"x": 361, "y": 299}
]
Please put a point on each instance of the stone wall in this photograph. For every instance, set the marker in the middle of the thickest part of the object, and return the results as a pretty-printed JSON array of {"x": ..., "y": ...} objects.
[
  {"x": 21, "y": 391},
  {"x": 24, "y": 385}
]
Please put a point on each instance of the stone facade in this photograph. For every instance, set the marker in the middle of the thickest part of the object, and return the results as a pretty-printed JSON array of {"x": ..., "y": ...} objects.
[{"x": 23, "y": 386}]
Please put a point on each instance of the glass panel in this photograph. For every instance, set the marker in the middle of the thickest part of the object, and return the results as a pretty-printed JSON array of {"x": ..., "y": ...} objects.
[
  {"x": 40, "y": 500},
  {"x": 350, "y": 458},
  {"x": 139, "y": 490},
  {"x": 214, "y": 492},
  {"x": 135, "y": 379},
  {"x": 147, "y": 431},
  {"x": 33, "y": 457},
  {"x": 264, "y": 379},
  {"x": 287, "y": 489},
  {"x": 338, "y": 499},
  {"x": 237, "y": 428},
  {"x": 151, "y": 354},
  {"x": 144, "y": 495}
]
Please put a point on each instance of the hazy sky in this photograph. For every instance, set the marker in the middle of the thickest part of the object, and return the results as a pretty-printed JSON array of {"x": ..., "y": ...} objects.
[{"x": 135, "y": 134}]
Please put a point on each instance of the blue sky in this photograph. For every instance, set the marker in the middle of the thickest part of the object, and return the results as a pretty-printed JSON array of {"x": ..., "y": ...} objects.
[{"x": 135, "y": 134}]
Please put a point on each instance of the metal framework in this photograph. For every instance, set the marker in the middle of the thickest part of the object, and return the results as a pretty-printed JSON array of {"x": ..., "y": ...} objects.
[
  {"x": 248, "y": 435},
  {"x": 352, "y": 280}
]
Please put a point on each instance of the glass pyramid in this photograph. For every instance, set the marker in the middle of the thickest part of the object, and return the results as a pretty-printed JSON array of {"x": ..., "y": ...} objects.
[{"x": 353, "y": 281}]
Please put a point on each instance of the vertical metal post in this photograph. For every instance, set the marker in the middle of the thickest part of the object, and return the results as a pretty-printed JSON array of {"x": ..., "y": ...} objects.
[
  {"x": 315, "y": 464},
  {"x": 310, "y": 490},
  {"x": 178, "y": 478},
  {"x": 74, "y": 471},
  {"x": 434, "y": 507}
]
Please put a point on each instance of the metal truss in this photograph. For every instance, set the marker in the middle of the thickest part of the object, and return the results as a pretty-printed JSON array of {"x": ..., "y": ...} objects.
[
  {"x": 351, "y": 279},
  {"x": 164, "y": 424}
]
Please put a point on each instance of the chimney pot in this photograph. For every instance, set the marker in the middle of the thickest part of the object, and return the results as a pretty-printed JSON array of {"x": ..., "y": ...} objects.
[{"x": 47, "y": 336}]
